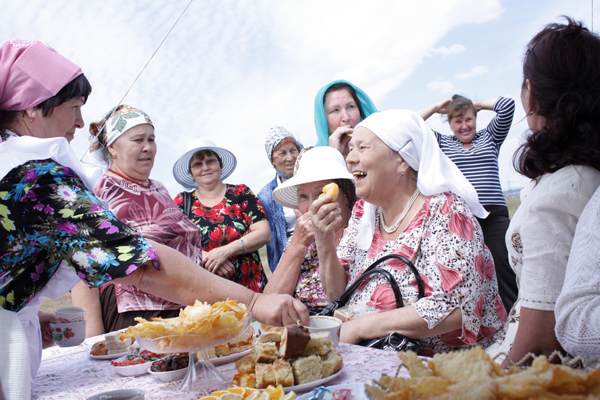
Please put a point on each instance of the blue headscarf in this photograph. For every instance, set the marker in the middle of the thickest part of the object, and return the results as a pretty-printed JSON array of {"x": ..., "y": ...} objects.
[{"x": 367, "y": 105}]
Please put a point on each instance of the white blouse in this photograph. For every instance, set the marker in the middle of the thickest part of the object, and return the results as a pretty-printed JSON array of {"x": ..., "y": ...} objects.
[
  {"x": 578, "y": 306},
  {"x": 541, "y": 232}
]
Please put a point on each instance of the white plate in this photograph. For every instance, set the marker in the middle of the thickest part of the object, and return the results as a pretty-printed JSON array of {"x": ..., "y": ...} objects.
[
  {"x": 312, "y": 385},
  {"x": 133, "y": 370},
  {"x": 358, "y": 391},
  {"x": 108, "y": 356},
  {"x": 169, "y": 376},
  {"x": 229, "y": 358}
]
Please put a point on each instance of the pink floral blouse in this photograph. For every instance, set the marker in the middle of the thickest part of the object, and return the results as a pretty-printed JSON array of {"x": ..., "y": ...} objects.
[
  {"x": 152, "y": 212},
  {"x": 445, "y": 242}
]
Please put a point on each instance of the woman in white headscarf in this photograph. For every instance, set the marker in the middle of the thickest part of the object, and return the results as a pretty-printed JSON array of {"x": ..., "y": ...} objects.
[{"x": 416, "y": 203}]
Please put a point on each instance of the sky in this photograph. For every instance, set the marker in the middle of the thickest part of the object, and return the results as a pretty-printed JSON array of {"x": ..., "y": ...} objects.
[{"x": 229, "y": 70}]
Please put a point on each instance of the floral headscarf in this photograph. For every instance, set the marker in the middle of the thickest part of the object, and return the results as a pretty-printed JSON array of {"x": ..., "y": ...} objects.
[{"x": 110, "y": 127}]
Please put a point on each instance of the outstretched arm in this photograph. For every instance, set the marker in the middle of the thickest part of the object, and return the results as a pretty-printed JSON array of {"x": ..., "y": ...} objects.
[{"x": 182, "y": 281}]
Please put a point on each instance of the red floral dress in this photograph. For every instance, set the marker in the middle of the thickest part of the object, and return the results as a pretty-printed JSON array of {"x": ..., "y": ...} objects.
[
  {"x": 445, "y": 242},
  {"x": 228, "y": 221}
]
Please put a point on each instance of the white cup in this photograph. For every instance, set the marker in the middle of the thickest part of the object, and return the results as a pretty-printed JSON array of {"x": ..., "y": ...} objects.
[
  {"x": 320, "y": 323},
  {"x": 69, "y": 314},
  {"x": 68, "y": 334}
]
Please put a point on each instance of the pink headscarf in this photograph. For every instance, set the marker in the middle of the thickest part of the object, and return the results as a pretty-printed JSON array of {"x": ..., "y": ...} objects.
[{"x": 31, "y": 72}]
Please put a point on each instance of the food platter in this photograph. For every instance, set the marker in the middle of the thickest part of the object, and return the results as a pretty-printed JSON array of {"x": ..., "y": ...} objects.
[{"x": 112, "y": 356}]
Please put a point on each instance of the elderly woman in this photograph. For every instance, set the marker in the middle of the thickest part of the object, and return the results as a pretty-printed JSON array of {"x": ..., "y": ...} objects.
[
  {"x": 476, "y": 155},
  {"x": 414, "y": 202},
  {"x": 231, "y": 219},
  {"x": 298, "y": 273},
  {"x": 282, "y": 150},
  {"x": 339, "y": 107},
  {"x": 562, "y": 157},
  {"x": 54, "y": 231},
  {"x": 124, "y": 140}
]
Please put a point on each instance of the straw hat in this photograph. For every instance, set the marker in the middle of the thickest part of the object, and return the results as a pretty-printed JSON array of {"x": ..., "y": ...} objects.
[
  {"x": 316, "y": 164},
  {"x": 181, "y": 169}
]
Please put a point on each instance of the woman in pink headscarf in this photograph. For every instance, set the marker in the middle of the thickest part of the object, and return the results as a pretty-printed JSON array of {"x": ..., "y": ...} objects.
[{"x": 54, "y": 232}]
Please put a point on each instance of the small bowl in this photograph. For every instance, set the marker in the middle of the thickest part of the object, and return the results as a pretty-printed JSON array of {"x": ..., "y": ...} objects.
[
  {"x": 133, "y": 370},
  {"x": 125, "y": 394},
  {"x": 170, "y": 376},
  {"x": 68, "y": 334}
]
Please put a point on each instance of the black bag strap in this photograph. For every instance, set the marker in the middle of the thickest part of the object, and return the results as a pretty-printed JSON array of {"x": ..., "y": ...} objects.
[
  {"x": 345, "y": 296},
  {"x": 187, "y": 203}
]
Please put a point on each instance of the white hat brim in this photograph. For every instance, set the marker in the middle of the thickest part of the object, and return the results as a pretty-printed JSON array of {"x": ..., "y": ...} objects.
[{"x": 181, "y": 169}]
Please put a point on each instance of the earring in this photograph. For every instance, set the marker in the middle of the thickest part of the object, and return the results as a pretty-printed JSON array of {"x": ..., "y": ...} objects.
[
  {"x": 31, "y": 120},
  {"x": 402, "y": 174}
]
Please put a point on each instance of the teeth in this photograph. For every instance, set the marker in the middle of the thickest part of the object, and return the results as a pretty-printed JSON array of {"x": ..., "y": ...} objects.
[{"x": 359, "y": 173}]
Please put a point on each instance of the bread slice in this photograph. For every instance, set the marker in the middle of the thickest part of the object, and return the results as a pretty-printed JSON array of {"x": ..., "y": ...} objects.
[
  {"x": 244, "y": 379},
  {"x": 243, "y": 343},
  {"x": 265, "y": 352},
  {"x": 283, "y": 373},
  {"x": 331, "y": 363},
  {"x": 271, "y": 336},
  {"x": 265, "y": 375},
  {"x": 245, "y": 364},
  {"x": 112, "y": 337},
  {"x": 293, "y": 341},
  {"x": 222, "y": 350},
  {"x": 307, "y": 369},
  {"x": 211, "y": 352},
  {"x": 320, "y": 343}
]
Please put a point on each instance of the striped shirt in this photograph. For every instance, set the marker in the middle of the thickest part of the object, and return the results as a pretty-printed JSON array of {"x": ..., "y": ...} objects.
[{"x": 480, "y": 163}]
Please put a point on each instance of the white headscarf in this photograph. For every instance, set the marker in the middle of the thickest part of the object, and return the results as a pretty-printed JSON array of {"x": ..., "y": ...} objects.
[{"x": 405, "y": 132}]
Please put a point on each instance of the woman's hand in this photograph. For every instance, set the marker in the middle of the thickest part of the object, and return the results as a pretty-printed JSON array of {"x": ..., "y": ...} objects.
[
  {"x": 440, "y": 108},
  {"x": 340, "y": 138},
  {"x": 279, "y": 310},
  {"x": 45, "y": 320},
  {"x": 325, "y": 217},
  {"x": 214, "y": 259},
  {"x": 350, "y": 332},
  {"x": 226, "y": 270},
  {"x": 304, "y": 233}
]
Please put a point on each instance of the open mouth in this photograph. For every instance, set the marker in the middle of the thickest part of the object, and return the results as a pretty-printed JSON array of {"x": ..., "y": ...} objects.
[{"x": 359, "y": 175}]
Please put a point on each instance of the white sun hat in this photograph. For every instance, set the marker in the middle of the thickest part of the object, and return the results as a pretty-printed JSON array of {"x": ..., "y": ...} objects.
[
  {"x": 313, "y": 165},
  {"x": 181, "y": 169}
]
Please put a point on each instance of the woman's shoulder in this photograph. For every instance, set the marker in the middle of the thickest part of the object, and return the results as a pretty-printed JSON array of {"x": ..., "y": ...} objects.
[{"x": 571, "y": 179}]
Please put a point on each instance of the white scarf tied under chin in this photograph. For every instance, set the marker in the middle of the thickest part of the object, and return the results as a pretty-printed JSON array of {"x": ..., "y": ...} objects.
[{"x": 405, "y": 132}]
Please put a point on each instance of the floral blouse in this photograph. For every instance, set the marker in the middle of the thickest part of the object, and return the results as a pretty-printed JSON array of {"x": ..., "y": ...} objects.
[
  {"x": 228, "y": 221},
  {"x": 445, "y": 242},
  {"x": 309, "y": 289},
  {"x": 47, "y": 216},
  {"x": 152, "y": 212}
]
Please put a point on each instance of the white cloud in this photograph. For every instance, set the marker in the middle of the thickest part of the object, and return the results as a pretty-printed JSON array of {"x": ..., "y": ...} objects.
[
  {"x": 441, "y": 85},
  {"x": 447, "y": 51},
  {"x": 478, "y": 70}
]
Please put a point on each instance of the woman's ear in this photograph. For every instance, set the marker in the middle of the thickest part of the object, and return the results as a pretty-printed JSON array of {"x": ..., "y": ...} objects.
[{"x": 112, "y": 151}]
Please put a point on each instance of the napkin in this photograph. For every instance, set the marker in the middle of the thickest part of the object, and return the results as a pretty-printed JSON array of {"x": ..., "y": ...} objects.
[{"x": 15, "y": 376}]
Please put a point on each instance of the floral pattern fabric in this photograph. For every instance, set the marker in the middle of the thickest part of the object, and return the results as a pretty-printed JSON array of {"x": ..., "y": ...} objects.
[
  {"x": 228, "y": 221},
  {"x": 152, "y": 212},
  {"x": 309, "y": 289},
  {"x": 47, "y": 216},
  {"x": 445, "y": 242}
]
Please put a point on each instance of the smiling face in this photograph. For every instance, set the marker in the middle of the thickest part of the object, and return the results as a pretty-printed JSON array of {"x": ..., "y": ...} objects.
[
  {"x": 133, "y": 153},
  {"x": 62, "y": 122},
  {"x": 341, "y": 110},
  {"x": 374, "y": 165},
  {"x": 284, "y": 156},
  {"x": 206, "y": 169},
  {"x": 463, "y": 126}
]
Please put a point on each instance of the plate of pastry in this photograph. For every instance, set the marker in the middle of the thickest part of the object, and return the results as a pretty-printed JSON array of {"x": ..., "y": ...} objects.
[
  {"x": 112, "y": 347},
  {"x": 292, "y": 357},
  {"x": 233, "y": 350}
]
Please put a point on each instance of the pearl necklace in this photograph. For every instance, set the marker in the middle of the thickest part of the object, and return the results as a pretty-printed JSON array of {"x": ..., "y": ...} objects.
[{"x": 392, "y": 229}]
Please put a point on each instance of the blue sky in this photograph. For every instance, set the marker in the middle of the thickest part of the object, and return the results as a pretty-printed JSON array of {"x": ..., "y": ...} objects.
[{"x": 232, "y": 69}]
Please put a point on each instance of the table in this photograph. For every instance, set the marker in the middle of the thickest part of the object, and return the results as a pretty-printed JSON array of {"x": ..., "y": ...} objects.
[{"x": 68, "y": 373}]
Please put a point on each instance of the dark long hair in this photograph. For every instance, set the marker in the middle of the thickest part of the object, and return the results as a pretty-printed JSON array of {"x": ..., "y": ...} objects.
[
  {"x": 78, "y": 87},
  {"x": 344, "y": 86},
  {"x": 562, "y": 64}
]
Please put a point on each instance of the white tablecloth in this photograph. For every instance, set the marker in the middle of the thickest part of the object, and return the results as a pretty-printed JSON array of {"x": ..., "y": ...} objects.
[{"x": 68, "y": 373}]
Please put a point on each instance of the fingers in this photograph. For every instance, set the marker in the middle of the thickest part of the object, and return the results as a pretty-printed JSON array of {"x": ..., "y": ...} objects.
[{"x": 302, "y": 312}]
